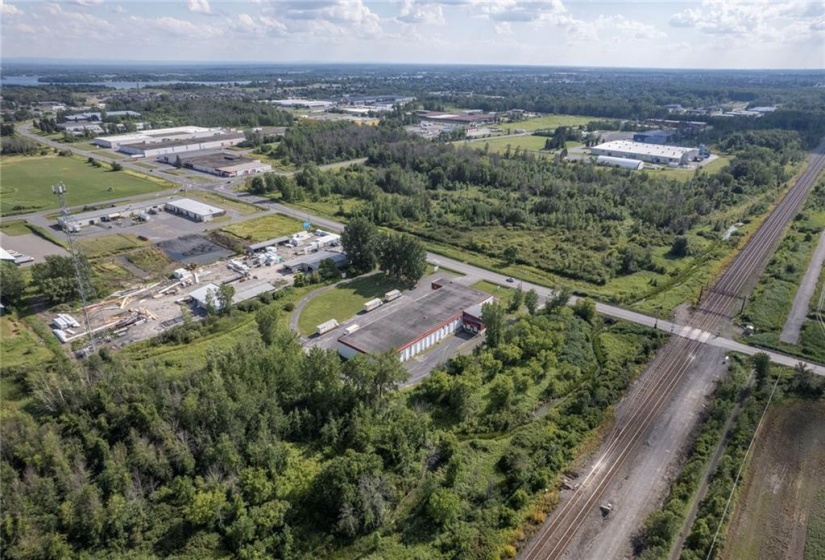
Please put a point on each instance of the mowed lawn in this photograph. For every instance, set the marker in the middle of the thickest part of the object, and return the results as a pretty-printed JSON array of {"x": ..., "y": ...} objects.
[
  {"x": 344, "y": 301},
  {"x": 263, "y": 228},
  {"x": 499, "y": 145},
  {"x": 27, "y": 183}
]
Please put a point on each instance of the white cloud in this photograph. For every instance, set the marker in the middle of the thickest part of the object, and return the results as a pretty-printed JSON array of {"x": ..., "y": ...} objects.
[
  {"x": 9, "y": 9},
  {"x": 199, "y": 6},
  {"x": 628, "y": 27},
  {"x": 427, "y": 13},
  {"x": 515, "y": 11},
  {"x": 87, "y": 3}
]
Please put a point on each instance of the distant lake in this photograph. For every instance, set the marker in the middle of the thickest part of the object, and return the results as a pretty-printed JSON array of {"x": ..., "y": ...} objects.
[{"x": 34, "y": 81}]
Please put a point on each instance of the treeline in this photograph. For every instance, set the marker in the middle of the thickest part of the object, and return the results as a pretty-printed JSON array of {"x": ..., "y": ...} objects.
[
  {"x": 268, "y": 451},
  {"x": 327, "y": 142},
  {"x": 206, "y": 110},
  {"x": 578, "y": 220}
]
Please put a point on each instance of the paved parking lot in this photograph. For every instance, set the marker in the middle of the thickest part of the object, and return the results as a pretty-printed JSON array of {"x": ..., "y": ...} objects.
[{"x": 31, "y": 245}]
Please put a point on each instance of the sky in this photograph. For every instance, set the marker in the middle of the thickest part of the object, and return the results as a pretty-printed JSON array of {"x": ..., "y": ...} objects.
[{"x": 653, "y": 34}]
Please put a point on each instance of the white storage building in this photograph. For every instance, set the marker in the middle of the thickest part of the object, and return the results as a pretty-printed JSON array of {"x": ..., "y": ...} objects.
[
  {"x": 194, "y": 210},
  {"x": 650, "y": 153},
  {"x": 624, "y": 163}
]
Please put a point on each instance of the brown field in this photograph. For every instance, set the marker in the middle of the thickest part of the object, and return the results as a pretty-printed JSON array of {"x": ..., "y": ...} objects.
[{"x": 778, "y": 497}]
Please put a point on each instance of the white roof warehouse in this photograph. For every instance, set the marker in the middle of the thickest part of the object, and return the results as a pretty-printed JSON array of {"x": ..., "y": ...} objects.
[{"x": 193, "y": 209}]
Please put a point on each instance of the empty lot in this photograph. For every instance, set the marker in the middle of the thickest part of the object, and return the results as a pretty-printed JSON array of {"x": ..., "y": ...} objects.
[{"x": 779, "y": 493}]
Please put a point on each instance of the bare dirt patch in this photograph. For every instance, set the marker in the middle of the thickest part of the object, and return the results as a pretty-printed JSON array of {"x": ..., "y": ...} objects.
[{"x": 786, "y": 473}]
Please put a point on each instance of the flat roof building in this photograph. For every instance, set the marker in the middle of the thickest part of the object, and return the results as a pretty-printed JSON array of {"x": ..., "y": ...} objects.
[
  {"x": 312, "y": 262},
  {"x": 93, "y": 217},
  {"x": 650, "y": 153},
  {"x": 414, "y": 327},
  {"x": 221, "y": 164},
  {"x": 216, "y": 140},
  {"x": 194, "y": 210},
  {"x": 654, "y": 136},
  {"x": 157, "y": 135}
]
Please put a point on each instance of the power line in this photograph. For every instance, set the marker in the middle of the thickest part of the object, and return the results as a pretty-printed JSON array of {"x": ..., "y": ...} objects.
[{"x": 80, "y": 270}]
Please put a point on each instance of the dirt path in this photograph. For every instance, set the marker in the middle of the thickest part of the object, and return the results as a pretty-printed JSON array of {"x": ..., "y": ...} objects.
[
  {"x": 790, "y": 332},
  {"x": 785, "y": 474}
]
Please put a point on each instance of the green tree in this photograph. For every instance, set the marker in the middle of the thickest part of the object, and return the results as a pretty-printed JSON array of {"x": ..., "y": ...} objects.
[
  {"x": 515, "y": 301},
  {"x": 55, "y": 278},
  {"x": 328, "y": 269},
  {"x": 267, "y": 319},
  {"x": 585, "y": 308},
  {"x": 531, "y": 301},
  {"x": 360, "y": 242},
  {"x": 680, "y": 247},
  {"x": 443, "y": 507},
  {"x": 402, "y": 256},
  {"x": 492, "y": 314},
  {"x": 224, "y": 298},
  {"x": 178, "y": 162},
  {"x": 762, "y": 367},
  {"x": 257, "y": 186},
  {"x": 12, "y": 284},
  {"x": 117, "y": 166},
  {"x": 510, "y": 254}
]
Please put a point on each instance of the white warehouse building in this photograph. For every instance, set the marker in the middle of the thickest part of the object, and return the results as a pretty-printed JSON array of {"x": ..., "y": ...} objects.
[
  {"x": 156, "y": 135},
  {"x": 650, "y": 153}
]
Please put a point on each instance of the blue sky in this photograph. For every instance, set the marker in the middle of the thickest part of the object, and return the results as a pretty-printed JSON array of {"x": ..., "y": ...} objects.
[{"x": 662, "y": 34}]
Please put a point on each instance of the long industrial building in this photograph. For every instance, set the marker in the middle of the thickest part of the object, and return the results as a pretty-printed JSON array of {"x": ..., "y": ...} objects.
[
  {"x": 413, "y": 328},
  {"x": 216, "y": 140},
  {"x": 156, "y": 135},
  {"x": 221, "y": 164},
  {"x": 650, "y": 153}
]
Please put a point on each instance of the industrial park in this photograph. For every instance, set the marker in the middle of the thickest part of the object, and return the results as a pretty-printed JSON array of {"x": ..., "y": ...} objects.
[{"x": 477, "y": 307}]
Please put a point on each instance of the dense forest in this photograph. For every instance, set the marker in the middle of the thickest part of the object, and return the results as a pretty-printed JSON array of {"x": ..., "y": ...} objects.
[
  {"x": 271, "y": 452},
  {"x": 573, "y": 220}
]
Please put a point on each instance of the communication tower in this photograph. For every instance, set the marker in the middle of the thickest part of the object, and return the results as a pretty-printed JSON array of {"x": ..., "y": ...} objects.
[{"x": 81, "y": 273}]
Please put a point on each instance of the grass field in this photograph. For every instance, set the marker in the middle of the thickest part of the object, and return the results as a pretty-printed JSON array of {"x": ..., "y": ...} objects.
[
  {"x": 684, "y": 174},
  {"x": 263, "y": 228},
  {"x": 14, "y": 227},
  {"x": 785, "y": 475},
  {"x": 27, "y": 183},
  {"x": 344, "y": 301},
  {"x": 109, "y": 244},
  {"x": 499, "y": 145},
  {"x": 549, "y": 121}
]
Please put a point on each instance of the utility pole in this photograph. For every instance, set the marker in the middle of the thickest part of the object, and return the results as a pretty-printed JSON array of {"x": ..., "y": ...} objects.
[{"x": 81, "y": 273}]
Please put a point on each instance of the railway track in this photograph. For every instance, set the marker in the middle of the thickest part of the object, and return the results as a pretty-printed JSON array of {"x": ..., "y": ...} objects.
[{"x": 668, "y": 369}]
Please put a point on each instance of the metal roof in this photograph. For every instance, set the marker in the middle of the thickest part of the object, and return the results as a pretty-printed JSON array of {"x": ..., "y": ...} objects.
[
  {"x": 195, "y": 207},
  {"x": 411, "y": 322},
  {"x": 640, "y": 148}
]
